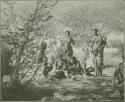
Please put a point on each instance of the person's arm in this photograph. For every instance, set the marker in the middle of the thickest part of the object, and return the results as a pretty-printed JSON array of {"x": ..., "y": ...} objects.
[
  {"x": 91, "y": 41},
  {"x": 73, "y": 42},
  {"x": 45, "y": 45},
  {"x": 78, "y": 64},
  {"x": 105, "y": 41},
  {"x": 65, "y": 47},
  {"x": 56, "y": 64},
  {"x": 106, "y": 44}
]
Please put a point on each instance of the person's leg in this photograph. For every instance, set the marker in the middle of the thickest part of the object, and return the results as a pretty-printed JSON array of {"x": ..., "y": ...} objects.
[
  {"x": 71, "y": 52},
  {"x": 46, "y": 75},
  {"x": 67, "y": 74},
  {"x": 96, "y": 71},
  {"x": 95, "y": 66},
  {"x": 102, "y": 56},
  {"x": 100, "y": 73}
]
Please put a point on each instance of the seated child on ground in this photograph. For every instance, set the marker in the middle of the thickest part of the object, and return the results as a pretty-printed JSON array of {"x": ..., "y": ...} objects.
[{"x": 59, "y": 74}]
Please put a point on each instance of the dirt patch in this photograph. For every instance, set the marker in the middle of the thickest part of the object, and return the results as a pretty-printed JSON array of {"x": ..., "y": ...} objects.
[{"x": 86, "y": 88}]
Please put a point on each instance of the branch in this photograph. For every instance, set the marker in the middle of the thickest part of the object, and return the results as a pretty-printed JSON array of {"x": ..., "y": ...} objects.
[
  {"x": 32, "y": 76},
  {"x": 27, "y": 70}
]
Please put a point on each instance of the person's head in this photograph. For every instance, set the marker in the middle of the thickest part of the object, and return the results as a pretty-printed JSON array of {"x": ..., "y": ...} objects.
[
  {"x": 95, "y": 31},
  {"x": 73, "y": 59},
  {"x": 104, "y": 38},
  {"x": 51, "y": 64},
  {"x": 61, "y": 57},
  {"x": 68, "y": 33},
  {"x": 45, "y": 59},
  {"x": 41, "y": 41}
]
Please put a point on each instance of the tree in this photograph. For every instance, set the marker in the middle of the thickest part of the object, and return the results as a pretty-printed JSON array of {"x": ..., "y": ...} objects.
[
  {"x": 22, "y": 37},
  {"x": 83, "y": 19}
]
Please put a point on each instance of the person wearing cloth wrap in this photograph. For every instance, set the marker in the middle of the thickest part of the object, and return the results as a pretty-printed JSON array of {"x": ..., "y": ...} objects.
[
  {"x": 98, "y": 44},
  {"x": 68, "y": 47},
  {"x": 43, "y": 47},
  {"x": 118, "y": 80}
]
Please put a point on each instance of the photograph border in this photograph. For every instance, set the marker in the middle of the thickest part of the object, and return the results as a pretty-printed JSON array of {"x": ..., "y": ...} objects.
[{"x": 57, "y": 101}]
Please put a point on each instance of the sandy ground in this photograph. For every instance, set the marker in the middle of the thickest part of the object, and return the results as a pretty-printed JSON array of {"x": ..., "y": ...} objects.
[{"x": 85, "y": 88}]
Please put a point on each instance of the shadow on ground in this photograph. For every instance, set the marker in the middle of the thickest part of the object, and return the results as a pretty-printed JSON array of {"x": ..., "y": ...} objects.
[{"x": 86, "y": 88}]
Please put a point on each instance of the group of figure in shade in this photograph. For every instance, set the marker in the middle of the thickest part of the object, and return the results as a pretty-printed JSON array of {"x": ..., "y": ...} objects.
[{"x": 67, "y": 65}]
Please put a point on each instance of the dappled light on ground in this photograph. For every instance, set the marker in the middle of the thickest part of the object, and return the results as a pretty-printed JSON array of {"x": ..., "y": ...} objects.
[{"x": 85, "y": 88}]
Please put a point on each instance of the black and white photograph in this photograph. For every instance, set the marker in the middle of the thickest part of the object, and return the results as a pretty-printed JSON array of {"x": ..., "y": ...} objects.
[{"x": 62, "y": 50}]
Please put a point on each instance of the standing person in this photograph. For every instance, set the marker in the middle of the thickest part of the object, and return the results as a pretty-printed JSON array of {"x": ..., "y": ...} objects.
[
  {"x": 103, "y": 44},
  {"x": 95, "y": 43},
  {"x": 43, "y": 47},
  {"x": 98, "y": 44},
  {"x": 68, "y": 48}
]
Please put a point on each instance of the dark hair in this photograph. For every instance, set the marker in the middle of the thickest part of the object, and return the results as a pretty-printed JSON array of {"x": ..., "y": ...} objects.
[
  {"x": 74, "y": 58},
  {"x": 60, "y": 56},
  {"x": 95, "y": 30},
  {"x": 68, "y": 32},
  {"x": 45, "y": 58}
]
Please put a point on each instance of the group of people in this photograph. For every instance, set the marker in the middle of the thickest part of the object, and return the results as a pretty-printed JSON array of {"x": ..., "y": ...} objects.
[{"x": 67, "y": 65}]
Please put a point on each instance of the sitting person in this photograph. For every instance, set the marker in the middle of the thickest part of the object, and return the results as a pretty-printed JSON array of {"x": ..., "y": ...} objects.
[
  {"x": 45, "y": 67},
  {"x": 65, "y": 68},
  {"x": 75, "y": 67},
  {"x": 50, "y": 67},
  {"x": 86, "y": 71},
  {"x": 59, "y": 63},
  {"x": 79, "y": 68},
  {"x": 59, "y": 73},
  {"x": 118, "y": 80}
]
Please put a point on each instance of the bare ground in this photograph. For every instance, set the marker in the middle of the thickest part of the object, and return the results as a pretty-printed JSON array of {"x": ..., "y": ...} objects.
[{"x": 85, "y": 88}]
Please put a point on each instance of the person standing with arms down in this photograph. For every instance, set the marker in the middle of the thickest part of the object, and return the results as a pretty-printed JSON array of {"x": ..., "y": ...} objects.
[
  {"x": 68, "y": 47},
  {"x": 98, "y": 44},
  {"x": 43, "y": 47}
]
